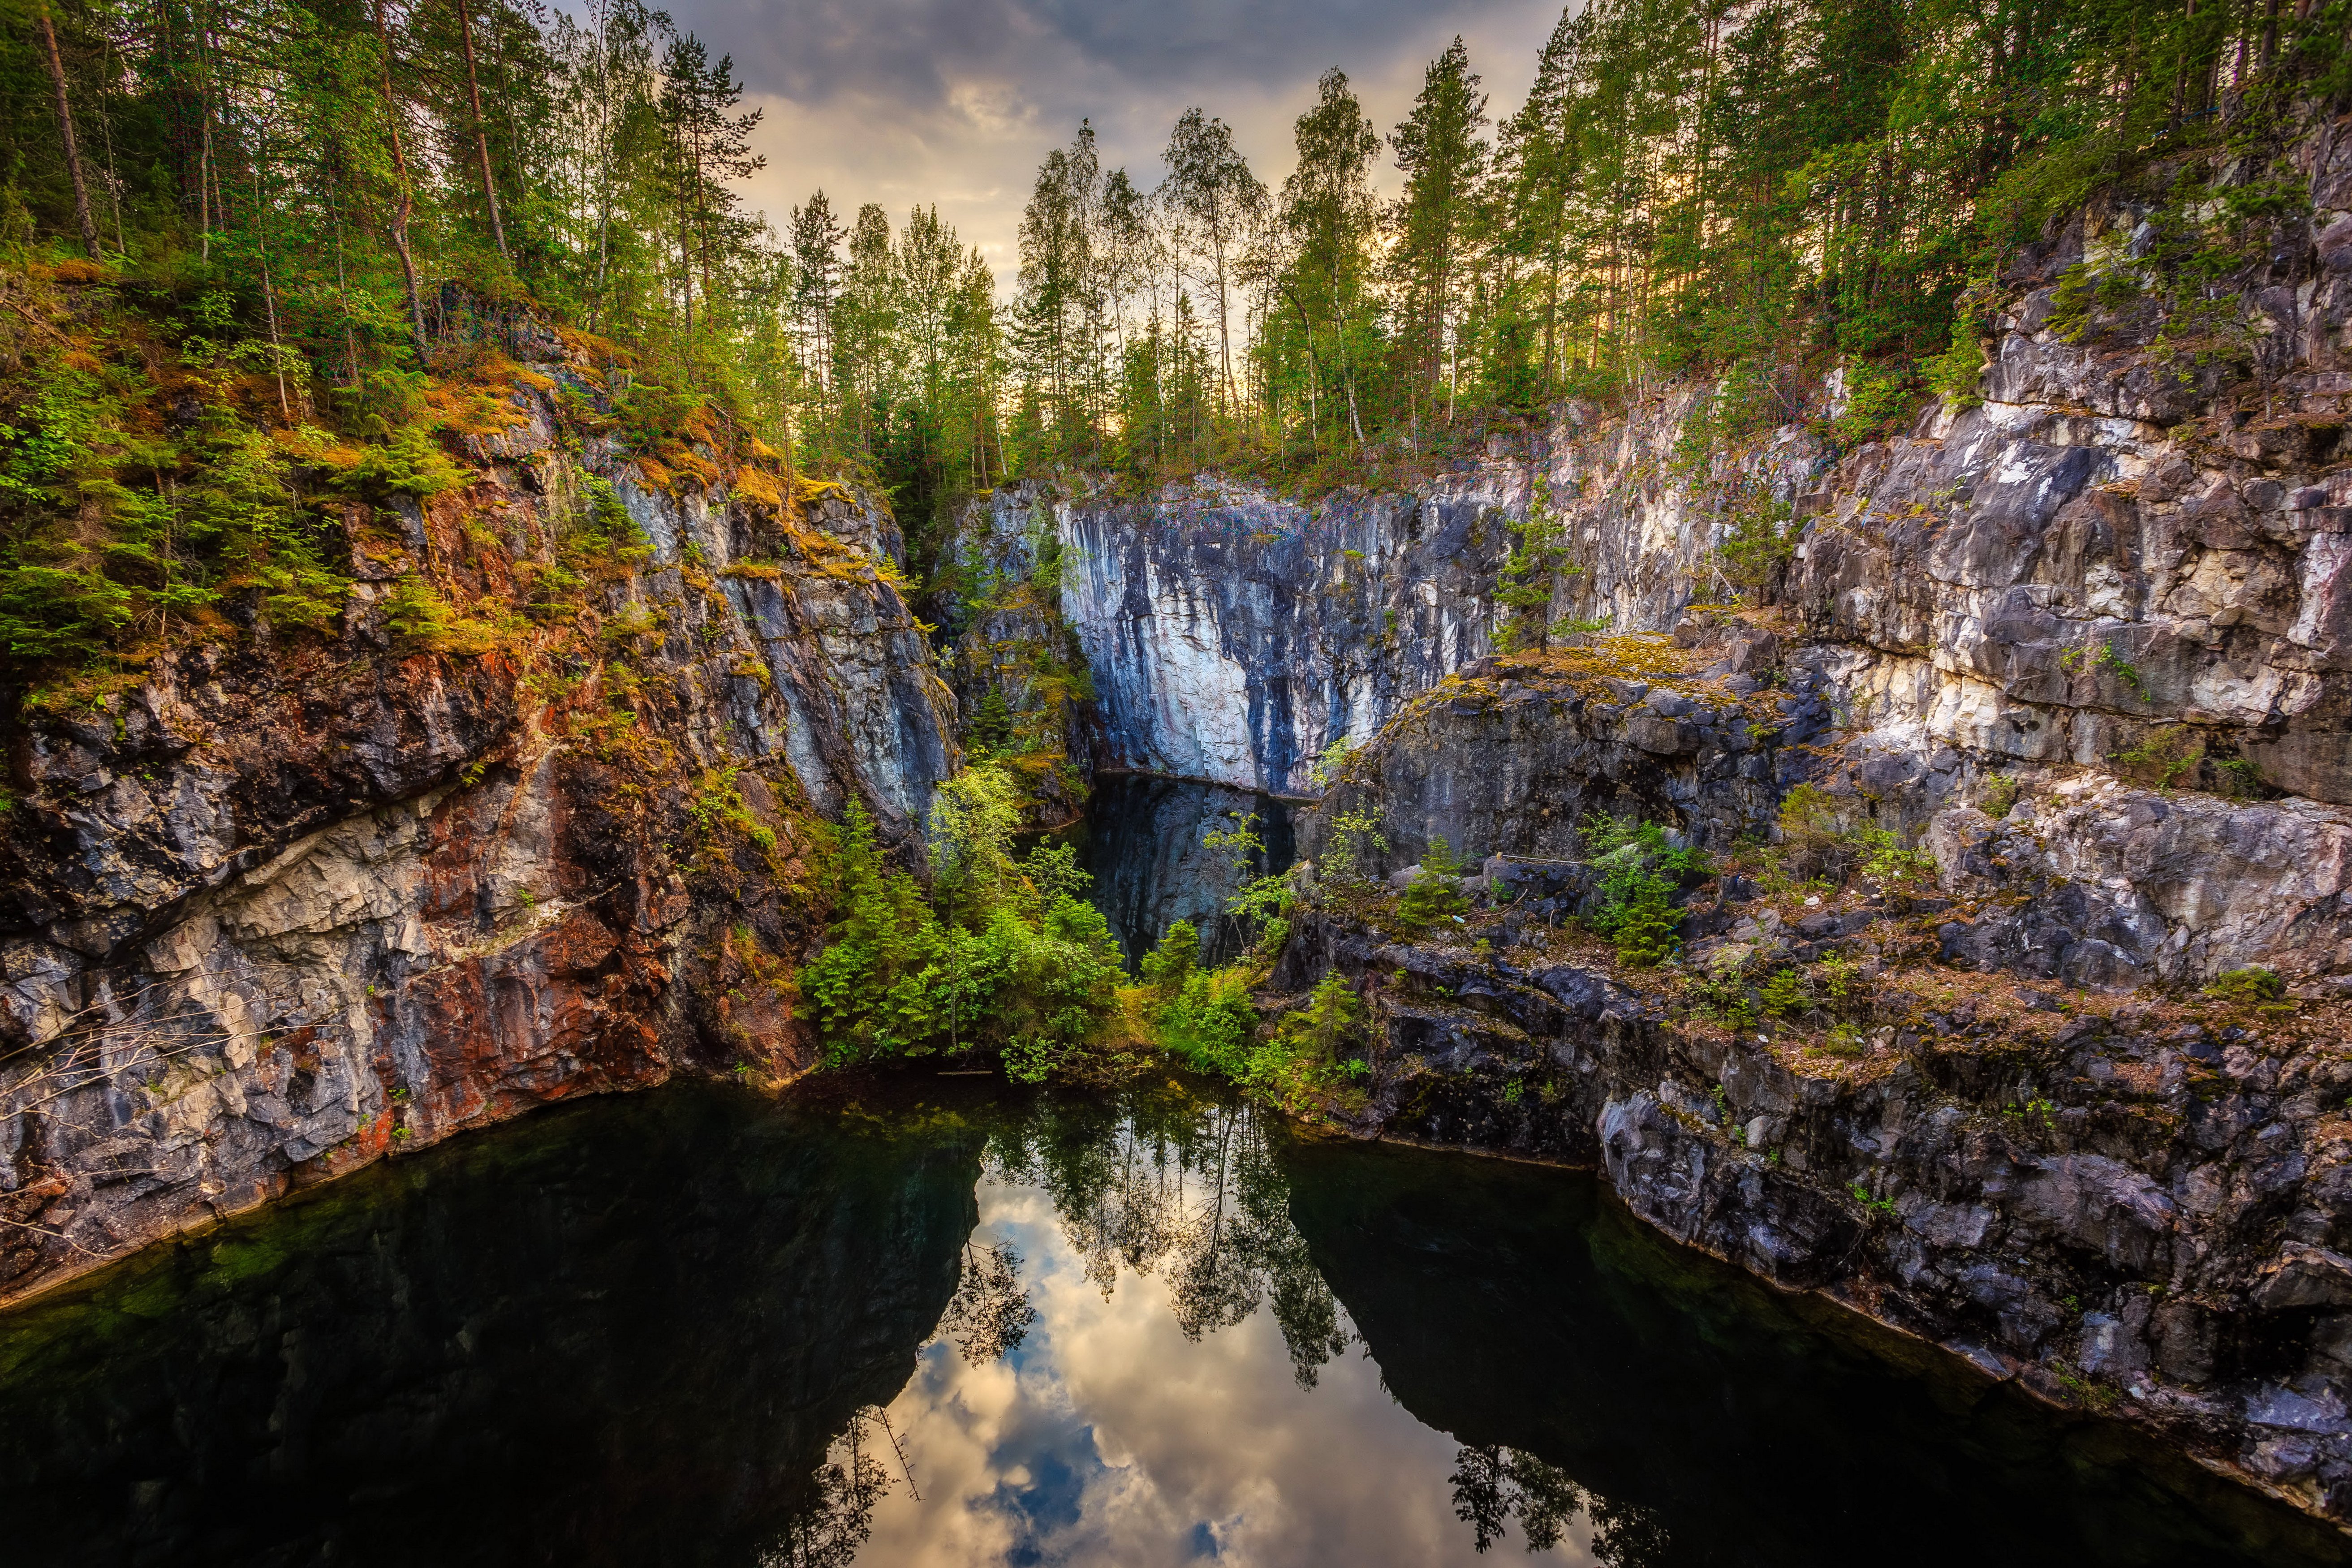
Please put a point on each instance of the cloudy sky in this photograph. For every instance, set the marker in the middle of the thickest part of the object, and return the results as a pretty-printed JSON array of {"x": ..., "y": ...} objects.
[{"x": 955, "y": 101}]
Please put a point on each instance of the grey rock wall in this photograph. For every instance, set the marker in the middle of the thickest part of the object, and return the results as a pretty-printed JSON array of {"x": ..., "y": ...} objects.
[{"x": 289, "y": 906}]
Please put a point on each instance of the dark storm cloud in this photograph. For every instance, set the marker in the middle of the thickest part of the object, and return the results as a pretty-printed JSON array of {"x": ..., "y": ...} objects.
[{"x": 953, "y": 102}]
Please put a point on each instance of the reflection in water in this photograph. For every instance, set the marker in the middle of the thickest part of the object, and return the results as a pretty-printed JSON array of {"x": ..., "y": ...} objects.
[
  {"x": 838, "y": 1518},
  {"x": 1495, "y": 1485},
  {"x": 1186, "y": 1393},
  {"x": 1186, "y": 1190},
  {"x": 990, "y": 1312},
  {"x": 1141, "y": 839},
  {"x": 926, "y": 1323},
  {"x": 621, "y": 1332}
]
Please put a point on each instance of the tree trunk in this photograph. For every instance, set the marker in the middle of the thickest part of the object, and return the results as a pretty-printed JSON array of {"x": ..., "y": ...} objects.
[
  {"x": 481, "y": 136},
  {"x": 269, "y": 294},
  {"x": 66, "y": 134},
  {"x": 407, "y": 204}
]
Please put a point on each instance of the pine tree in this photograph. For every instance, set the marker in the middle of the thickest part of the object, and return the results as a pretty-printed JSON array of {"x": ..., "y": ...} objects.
[
  {"x": 1331, "y": 213},
  {"x": 706, "y": 148},
  {"x": 1444, "y": 161}
]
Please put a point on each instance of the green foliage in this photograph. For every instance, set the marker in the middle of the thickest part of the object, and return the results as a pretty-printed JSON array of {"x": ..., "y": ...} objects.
[
  {"x": 1168, "y": 966},
  {"x": 2164, "y": 756},
  {"x": 1531, "y": 575},
  {"x": 1879, "y": 398},
  {"x": 719, "y": 812},
  {"x": 1352, "y": 848},
  {"x": 425, "y": 621},
  {"x": 1262, "y": 900},
  {"x": 1328, "y": 766},
  {"x": 2252, "y": 986},
  {"x": 991, "y": 726},
  {"x": 1012, "y": 960},
  {"x": 1757, "y": 541},
  {"x": 1747, "y": 196},
  {"x": 409, "y": 464},
  {"x": 1211, "y": 1025},
  {"x": 1435, "y": 895},
  {"x": 1784, "y": 994},
  {"x": 1722, "y": 994},
  {"x": 1815, "y": 852},
  {"x": 1955, "y": 374},
  {"x": 1640, "y": 875},
  {"x": 1330, "y": 1022},
  {"x": 1873, "y": 1207},
  {"x": 1885, "y": 862}
]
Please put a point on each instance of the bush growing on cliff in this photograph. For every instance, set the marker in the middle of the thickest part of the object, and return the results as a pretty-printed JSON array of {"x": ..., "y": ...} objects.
[
  {"x": 1330, "y": 1022},
  {"x": 1530, "y": 576},
  {"x": 1166, "y": 966},
  {"x": 1757, "y": 541},
  {"x": 1261, "y": 901},
  {"x": 1640, "y": 874},
  {"x": 1436, "y": 894},
  {"x": 1011, "y": 961},
  {"x": 1352, "y": 852},
  {"x": 1328, "y": 767},
  {"x": 1209, "y": 1024}
]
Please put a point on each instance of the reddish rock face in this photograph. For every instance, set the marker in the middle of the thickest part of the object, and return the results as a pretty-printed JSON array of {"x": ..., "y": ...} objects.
[{"x": 292, "y": 905}]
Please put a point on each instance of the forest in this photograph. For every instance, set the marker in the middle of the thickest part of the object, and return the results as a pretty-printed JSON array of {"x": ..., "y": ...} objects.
[{"x": 294, "y": 209}]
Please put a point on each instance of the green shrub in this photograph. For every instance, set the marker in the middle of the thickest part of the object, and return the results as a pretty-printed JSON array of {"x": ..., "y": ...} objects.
[
  {"x": 2252, "y": 986},
  {"x": 1758, "y": 540},
  {"x": 1436, "y": 894},
  {"x": 1887, "y": 863},
  {"x": 1168, "y": 966},
  {"x": 1211, "y": 1024},
  {"x": 410, "y": 464},
  {"x": 1328, "y": 1023},
  {"x": 1327, "y": 766},
  {"x": 1013, "y": 962},
  {"x": 1640, "y": 873},
  {"x": 1784, "y": 994},
  {"x": 1351, "y": 853}
]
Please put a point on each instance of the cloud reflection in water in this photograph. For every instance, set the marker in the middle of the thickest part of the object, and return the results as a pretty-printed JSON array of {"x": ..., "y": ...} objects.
[{"x": 1110, "y": 1434}]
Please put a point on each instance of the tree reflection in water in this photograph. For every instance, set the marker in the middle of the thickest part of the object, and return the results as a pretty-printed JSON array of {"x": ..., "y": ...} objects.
[
  {"x": 1494, "y": 1485},
  {"x": 1671, "y": 1411},
  {"x": 839, "y": 1518},
  {"x": 990, "y": 1313},
  {"x": 1189, "y": 1191}
]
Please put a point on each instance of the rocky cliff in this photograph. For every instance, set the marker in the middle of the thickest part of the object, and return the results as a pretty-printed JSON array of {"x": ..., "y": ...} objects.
[
  {"x": 2050, "y": 1068},
  {"x": 533, "y": 820}
]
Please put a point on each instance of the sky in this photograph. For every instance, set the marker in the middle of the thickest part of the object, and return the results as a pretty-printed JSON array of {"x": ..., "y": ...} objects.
[{"x": 956, "y": 101}]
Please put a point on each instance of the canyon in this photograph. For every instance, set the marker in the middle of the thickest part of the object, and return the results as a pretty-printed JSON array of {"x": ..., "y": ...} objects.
[{"x": 282, "y": 908}]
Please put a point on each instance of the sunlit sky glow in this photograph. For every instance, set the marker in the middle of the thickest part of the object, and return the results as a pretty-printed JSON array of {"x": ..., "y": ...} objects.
[{"x": 955, "y": 101}]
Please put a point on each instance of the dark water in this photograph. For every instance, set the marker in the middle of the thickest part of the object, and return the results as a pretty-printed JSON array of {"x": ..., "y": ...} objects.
[
  {"x": 1142, "y": 841},
  {"x": 932, "y": 1322}
]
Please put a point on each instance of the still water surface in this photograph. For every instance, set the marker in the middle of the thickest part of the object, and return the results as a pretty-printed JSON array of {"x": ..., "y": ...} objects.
[
  {"x": 922, "y": 1321},
  {"x": 1143, "y": 841}
]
